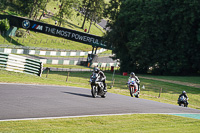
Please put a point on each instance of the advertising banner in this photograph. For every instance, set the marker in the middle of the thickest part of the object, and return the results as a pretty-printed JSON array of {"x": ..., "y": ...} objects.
[{"x": 56, "y": 31}]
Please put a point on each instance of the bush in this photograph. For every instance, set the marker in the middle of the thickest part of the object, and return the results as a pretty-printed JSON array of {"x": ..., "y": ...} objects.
[
  {"x": 21, "y": 33},
  {"x": 4, "y": 25}
]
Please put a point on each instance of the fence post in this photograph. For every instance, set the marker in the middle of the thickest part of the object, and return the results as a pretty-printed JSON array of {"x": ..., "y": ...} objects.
[
  {"x": 113, "y": 79},
  {"x": 160, "y": 92},
  {"x": 67, "y": 76},
  {"x": 47, "y": 71}
]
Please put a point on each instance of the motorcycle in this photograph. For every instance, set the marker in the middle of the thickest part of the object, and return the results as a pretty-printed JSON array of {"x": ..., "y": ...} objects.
[
  {"x": 97, "y": 86},
  {"x": 182, "y": 101},
  {"x": 133, "y": 88}
]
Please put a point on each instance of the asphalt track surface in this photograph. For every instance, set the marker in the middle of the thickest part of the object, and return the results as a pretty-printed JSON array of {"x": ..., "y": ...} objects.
[{"x": 20, "y": 101}]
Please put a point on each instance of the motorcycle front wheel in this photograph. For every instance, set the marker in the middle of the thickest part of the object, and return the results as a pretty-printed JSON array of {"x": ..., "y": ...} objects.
[
  {"x": 94, "y": 91},
  {"x": 131, "y": 91}
]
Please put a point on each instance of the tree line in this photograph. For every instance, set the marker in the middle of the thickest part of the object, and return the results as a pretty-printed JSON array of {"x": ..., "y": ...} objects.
[{"x": 157, "y": 36}]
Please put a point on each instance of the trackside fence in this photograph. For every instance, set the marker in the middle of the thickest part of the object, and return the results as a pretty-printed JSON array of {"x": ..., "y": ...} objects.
[{"x": 21, "y": 64}]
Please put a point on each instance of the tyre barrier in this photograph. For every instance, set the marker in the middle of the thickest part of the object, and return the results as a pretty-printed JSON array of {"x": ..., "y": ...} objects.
[{"x": 20, "y": 64}]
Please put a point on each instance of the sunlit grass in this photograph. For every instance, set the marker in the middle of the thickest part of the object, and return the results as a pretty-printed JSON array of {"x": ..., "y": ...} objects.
[{"x": 145, "y": 123}]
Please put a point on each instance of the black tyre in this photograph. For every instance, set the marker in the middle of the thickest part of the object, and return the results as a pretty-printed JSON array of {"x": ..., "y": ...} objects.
[
  {"x": 93, "y": 91},
  {"x": 131, "y": 91},
  {"x": 185, "y": 104},
  {"x": 104, "y": 96},
  {"x": 137, "y": 96}
]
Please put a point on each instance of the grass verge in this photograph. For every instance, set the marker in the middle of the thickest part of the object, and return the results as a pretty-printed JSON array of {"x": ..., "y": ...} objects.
[
  {"x": 145, "y": 123},
  {"x": 190, "y": 79}
]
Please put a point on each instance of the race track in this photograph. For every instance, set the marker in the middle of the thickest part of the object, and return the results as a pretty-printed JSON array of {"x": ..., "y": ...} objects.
[{"x": 19, "y": 101}]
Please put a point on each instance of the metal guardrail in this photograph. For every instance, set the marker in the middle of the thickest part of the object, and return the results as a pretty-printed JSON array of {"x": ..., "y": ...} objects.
[{"x": 21, "y": 64}]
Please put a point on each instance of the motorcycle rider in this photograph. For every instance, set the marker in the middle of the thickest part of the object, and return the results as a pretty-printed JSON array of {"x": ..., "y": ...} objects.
[
  {"x": 132, "y": 75},
  {"x": 102, "y": 77},
  {"x": 185, "y": 95}
]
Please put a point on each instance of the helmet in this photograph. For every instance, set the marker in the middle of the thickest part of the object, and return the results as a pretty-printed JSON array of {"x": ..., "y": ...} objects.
[
  {"x": 96, "y": 70},
  {"x": 183, "y": 92},
  {"x": 132, "y": 74}
]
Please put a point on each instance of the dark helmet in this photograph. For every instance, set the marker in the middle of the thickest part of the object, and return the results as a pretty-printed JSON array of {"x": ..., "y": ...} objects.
[
  {"x": 132, "y": 74},
  {"x": 96, "y": 70},
  {"x": 183, "y": 92}
]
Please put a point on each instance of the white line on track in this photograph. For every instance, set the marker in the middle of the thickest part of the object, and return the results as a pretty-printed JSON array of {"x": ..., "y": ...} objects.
[{"x": 87, "y": 116}]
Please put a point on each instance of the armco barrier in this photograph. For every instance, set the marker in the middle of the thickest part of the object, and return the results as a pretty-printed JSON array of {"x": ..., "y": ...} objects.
[{"x": 21, "y": 64}]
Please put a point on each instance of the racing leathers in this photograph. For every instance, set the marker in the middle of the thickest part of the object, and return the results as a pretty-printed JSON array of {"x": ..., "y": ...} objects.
[
  {"x": 185, "y": 95},
  {"x": 137, "y": 81}
]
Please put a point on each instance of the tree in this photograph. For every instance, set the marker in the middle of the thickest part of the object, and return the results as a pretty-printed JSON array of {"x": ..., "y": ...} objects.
[
  {"x": 92, "y": 10},
  {"x": 158, "y": 34},
  {"x": 3, "y": 4},
  {"x": 95, "y": 12},
  {"x": 66, "y": 8},
  {"x": 4, "y": 25},
  {"x": 31, "y": 8},
  {"x": 84, "y": 8},
  {"x": 112, "y": 10}
]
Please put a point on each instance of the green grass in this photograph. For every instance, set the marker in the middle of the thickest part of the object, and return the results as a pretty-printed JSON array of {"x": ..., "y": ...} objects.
[
  {"x": 45, "y": 41},
  {"x": 190, "y": 79},
  {"x": 144, "y": 123}
]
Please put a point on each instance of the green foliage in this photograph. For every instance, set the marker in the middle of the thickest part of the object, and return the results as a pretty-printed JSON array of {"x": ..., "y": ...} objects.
[
  {"x": 158, "y": 34},
  {"x": 4, "y": 25},
  {"x": 112, "y": 10},
  {"x": 93, "y": 10},
  {"x": 2, "y": 4},
  {"x": 66, "y": 9}
]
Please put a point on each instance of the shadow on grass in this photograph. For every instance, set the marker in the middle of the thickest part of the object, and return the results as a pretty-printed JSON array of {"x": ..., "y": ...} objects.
[
  {"x": 11, "y": 40},
  {"x": 72, "y": 25},
  {"x": 67, "y": 23}
]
